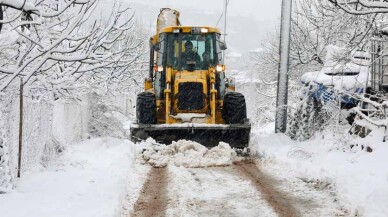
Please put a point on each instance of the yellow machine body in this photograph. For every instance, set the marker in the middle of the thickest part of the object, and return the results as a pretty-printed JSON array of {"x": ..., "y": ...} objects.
[{"x": 189, "y": 85}]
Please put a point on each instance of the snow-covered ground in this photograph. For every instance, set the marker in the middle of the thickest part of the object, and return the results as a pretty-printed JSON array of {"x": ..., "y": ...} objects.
[
  {"x": 359, "y": 178},
  {"x": 89, "y": 179},
  {"x": 216, "y": 182},
  {"x": 216, "y": 191},
  {"x": 105, "y": 176}
]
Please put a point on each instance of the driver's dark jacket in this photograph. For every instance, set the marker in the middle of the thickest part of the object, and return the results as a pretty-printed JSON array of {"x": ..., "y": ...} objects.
[{"x": 191, "y": 56}]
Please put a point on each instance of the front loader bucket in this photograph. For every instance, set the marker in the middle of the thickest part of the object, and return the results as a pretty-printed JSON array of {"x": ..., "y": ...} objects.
[{"x": 236, "y": 135}]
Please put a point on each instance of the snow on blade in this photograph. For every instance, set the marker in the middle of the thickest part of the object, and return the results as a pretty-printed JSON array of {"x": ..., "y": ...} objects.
[{"x": 187, "y": 154}]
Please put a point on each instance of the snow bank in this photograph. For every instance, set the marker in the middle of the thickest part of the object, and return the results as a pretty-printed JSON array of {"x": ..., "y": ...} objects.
[
  {"x": 89, "y": 179},
  {"x": 360, "y": 177},
  {"x": 187, "y": 154}
]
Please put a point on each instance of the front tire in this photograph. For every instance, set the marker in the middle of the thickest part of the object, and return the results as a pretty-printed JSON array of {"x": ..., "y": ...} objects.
[
  {"x": 146, "y": 108},
  {"x": 235, "y": 109}
]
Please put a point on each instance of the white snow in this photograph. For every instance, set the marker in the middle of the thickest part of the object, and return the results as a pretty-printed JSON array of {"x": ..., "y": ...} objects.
[
  {"x": 90, "y": 179},
  {"x": 101, "y": 177},
  {"x": 167, "y": 17},
  {"x": 20, "y": 4},
  {"x": 9, "y": 38},
  {"x": 214, "y": 192},
  {"x": 187, "y": 154},
  {"x": 360, "y": 178},
  {"x": 339, "y": 75}
]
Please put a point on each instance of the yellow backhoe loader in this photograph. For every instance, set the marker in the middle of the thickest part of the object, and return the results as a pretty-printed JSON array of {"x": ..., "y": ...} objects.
[{"x": 187, "y": 95}]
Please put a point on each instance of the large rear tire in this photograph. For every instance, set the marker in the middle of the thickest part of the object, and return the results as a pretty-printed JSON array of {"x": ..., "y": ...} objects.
[
  {"x": 146, "y": 108},
  {"x": 235, "y": 109}
]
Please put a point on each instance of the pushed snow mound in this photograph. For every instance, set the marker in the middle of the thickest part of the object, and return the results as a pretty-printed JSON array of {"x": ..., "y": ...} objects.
[{"x": 187, "y": 154}]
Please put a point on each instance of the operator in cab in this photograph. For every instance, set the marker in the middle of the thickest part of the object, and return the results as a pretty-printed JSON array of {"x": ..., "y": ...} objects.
[{"x": 189, "y": 56}]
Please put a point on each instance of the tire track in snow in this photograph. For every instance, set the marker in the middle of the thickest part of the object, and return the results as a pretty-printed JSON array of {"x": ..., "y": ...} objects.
[
  {"x": 242, "y": 189},
  {"x": 214, "y": 191},
  {"x": 281, "y": 203},
  {"x": 152, "y": 201}
]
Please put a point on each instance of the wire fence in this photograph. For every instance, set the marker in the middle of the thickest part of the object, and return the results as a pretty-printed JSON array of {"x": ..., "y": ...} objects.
[{"x": 48, "y": 126}]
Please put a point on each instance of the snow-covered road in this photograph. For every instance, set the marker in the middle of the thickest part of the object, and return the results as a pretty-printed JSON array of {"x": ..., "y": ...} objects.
[
  {"x": 241, "y": 189},
  {"x": 110, "y": 177}
]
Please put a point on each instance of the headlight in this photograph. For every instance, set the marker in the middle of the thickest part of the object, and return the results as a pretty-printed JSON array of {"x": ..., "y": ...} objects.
[
  {"x": 220, "y": 68},
  {"x": 158, "y": 68},
  {"x": 204, "y": 30}
]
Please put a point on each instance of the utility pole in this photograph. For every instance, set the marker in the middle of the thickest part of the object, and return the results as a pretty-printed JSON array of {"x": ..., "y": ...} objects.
[
  {"x": 1, "y": 17},
  {"x": 284, "y": 51},
  {"x": 20, "y": 127},
  {"x": 225, "y": 10}
]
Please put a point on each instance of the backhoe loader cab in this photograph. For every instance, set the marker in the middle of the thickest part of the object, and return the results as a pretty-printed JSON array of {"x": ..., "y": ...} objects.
[
  {"x": 186, "y": 95},
  {"x": 174, "y": 51},
  {"x": 206, "y": 54}
]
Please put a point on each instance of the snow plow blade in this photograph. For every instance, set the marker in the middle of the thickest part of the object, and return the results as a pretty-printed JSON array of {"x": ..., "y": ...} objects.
[{"x": 236, "y": 135}]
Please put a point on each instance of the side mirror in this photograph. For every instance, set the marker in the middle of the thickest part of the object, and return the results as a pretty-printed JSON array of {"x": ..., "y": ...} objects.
[
  {"x": 156, "y": 47},
  {"x": 230, "y": 83},
  {"x": 223, "y": 45}
]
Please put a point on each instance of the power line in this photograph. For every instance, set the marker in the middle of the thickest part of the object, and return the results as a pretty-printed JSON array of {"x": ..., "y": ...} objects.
[
  {"x": 219, "y": 19},
  {"x": 222, "y": 14}
]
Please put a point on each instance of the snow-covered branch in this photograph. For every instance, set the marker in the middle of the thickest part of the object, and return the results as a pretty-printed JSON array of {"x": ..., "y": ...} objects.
[
  {"x": 57, "y": 53},
  {"x": 361, "y": 7},
  {"x": 21, "y": 5}
]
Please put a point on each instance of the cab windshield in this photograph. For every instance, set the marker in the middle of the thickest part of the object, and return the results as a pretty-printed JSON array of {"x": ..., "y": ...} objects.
[{"x": 187, "y": 51}]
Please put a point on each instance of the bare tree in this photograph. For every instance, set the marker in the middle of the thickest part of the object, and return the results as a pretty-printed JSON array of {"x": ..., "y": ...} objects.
[
  {"x": 61, "y": 46},
  {"x": 317, "y": 24}
]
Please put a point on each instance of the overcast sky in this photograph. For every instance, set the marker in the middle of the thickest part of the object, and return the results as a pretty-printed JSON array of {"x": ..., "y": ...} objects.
[
  {"x": 249, "y": 21},
  {"x": 260, "y": 9}
]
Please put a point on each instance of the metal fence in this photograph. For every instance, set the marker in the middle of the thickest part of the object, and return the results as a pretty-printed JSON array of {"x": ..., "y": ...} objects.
[
  {"x": 379, "y": 64},
  {"x": 48, "y": 126}
]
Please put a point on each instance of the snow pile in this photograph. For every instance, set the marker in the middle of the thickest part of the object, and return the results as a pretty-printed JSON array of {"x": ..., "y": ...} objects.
[
  {"x": 167, "y": 17},
  {"x": 358, "y": 174},
  {"x": 89, "y": 179},
  {"x": 187, "y": 154}
]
